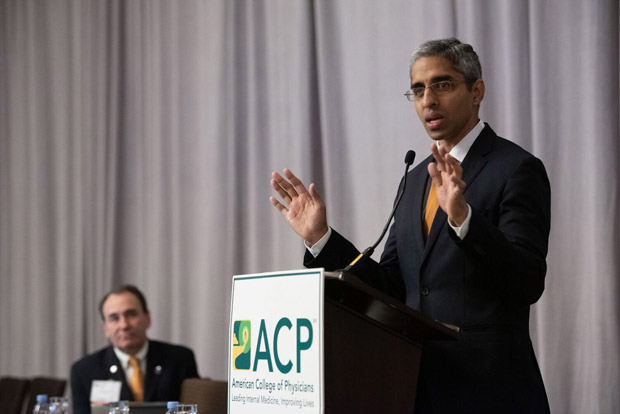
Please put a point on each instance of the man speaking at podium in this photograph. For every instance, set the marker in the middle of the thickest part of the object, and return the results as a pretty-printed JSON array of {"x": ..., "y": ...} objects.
[{"x": 467, "y": 246}]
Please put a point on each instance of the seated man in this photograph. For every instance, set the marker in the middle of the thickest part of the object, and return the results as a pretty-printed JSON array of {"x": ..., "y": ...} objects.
[{"x": 141, "y": 369}]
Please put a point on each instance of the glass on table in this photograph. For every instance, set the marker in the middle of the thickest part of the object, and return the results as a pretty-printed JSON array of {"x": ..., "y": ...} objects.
[
  {"x": 187, "y": 409},
  {"x": 59, "y": 405},
  {"x": 118, "y": 407}
]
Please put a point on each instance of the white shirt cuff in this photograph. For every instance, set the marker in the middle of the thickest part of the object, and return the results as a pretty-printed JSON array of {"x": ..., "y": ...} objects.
[
  {"x": 316, "y": 248},
  {"x": 462, "y": 230}
]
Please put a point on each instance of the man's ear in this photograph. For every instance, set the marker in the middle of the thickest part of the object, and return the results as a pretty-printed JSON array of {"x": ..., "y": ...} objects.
[
  {"x": 148, "y": 319},
  {"x": 478, "y": 91}
]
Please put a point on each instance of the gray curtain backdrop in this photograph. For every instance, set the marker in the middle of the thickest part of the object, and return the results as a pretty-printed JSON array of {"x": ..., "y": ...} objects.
[{"x": 137, "y": 140}]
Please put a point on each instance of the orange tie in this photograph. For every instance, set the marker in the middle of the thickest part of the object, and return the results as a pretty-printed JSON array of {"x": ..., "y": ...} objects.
[
  {"x": 136, "y": 382},
  {"x": 431, "y": 208}
]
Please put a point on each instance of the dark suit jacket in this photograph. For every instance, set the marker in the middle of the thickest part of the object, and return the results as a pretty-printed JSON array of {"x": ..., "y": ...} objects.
[
  {"x": 167, "y": 366},
  {"x": 484, "y": 284}
]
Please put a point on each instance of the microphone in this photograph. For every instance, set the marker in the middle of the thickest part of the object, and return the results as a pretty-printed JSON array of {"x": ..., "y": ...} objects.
[{"x": 369, "y": 251}]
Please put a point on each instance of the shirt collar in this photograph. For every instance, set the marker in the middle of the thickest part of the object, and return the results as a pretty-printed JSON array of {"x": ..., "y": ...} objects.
[
  {"x": 124, "y": 358},
  {"x": 460, "y": 150}
]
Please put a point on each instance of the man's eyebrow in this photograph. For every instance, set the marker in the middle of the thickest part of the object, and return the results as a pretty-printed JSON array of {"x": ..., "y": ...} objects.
[
  {"x": 130, "y": 311},
  {"x": 433, "y": 80}
]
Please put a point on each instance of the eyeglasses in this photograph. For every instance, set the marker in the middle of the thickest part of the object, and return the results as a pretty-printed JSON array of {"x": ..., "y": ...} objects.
[{"x": 438, "y": 88}]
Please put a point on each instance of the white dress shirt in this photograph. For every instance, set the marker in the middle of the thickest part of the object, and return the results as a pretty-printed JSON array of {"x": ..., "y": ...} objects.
[{"x": 124, "y": 359}]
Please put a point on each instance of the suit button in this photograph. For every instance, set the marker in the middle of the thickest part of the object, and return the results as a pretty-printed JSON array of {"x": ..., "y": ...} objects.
[{"x": 425, "y": 291}]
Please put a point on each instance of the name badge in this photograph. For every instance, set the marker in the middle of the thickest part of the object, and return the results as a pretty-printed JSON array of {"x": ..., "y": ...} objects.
[{"x": 102, "y": 392}]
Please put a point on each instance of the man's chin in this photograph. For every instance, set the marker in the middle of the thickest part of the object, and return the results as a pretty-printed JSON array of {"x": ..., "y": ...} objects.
[
  {"x": 435, "y": 135},
  {"x": 129, "y": 347}
]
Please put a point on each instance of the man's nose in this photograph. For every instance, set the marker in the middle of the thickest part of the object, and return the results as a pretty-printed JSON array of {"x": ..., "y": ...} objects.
[
  {"x": 123, "y": 322},
  {"x": 429, "y": 99}
]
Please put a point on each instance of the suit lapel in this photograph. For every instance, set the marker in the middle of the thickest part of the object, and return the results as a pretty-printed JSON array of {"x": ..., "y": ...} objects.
[
  {"x": 409, "y": 214},
  {"x": 438, "y": 222},
  {"x": 116, "y": 372},
  {"x": 154, "y": 369},
  {"x": 472, "y": 165},
  {"x": 475, "y": 159}
]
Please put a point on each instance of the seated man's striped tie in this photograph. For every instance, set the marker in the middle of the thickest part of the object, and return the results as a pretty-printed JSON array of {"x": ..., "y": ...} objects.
[{"x": 136, "y": 382}]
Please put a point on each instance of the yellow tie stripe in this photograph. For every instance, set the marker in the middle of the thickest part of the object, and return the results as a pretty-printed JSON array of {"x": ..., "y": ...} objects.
[
  {"x": 136, "y": 382},
  {"x": 431, "y": 208}
]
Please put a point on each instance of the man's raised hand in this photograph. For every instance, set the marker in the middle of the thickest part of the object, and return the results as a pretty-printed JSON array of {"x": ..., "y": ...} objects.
[
  {"x": 447, "y": 173},
  {"x": 303, "y": 208}
]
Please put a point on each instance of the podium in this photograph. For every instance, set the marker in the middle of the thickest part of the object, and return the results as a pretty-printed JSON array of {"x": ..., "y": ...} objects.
[
  {"x": 323, "y": 342},
  {"x": 372, "y": 347}
]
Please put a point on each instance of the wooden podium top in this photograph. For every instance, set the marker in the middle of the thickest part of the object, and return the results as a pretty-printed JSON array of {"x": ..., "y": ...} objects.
[{"x": 348, "y": 290}]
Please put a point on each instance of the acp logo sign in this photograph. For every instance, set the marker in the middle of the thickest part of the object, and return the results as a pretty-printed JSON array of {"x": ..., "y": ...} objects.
[{"x": 242, "y": 344}]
